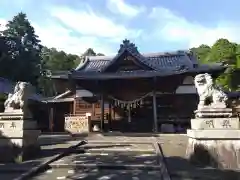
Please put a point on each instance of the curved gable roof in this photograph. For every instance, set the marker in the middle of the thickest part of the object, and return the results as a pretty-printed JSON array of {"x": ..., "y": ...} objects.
[{"x": 154, "y": 61}]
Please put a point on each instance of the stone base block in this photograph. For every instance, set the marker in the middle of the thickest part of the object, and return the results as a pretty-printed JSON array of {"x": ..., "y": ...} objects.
[
  {"x": 17, "y": 125},
  {"x": 223, "y": 154},
  {"x": 18, "y": 145},
  {"x": 12, "y": 153},
  {"x": 222, "y": 134},
  {"x": 215, "y": 123}
]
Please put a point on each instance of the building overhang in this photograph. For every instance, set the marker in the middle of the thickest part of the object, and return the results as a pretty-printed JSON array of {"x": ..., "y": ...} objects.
[
  {"x": 145, "y": 74},
  {"x": 123, "y": 75},
  {"x": 58, "y": 100}
]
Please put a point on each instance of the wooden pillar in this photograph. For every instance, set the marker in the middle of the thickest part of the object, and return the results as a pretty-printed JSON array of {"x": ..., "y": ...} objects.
[
  {"x": 129, "y": 114},
  {"x": 93, "y": 109},
  {"x": 155, "y": 124},
  {"x": 51, "y": 121},
  {"x": 74, "y": 106},
  {"x": 110, "y": 115},
  {"x": 102, "y": 112}
]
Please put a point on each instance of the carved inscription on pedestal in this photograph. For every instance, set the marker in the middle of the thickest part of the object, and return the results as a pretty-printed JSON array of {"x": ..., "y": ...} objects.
[
  {"x": 17, "y": 125},
  {"x": 215, "y": 123},
  {"x": 226, "y": 123},
  {"x": 1, "y": 125},
  {"x": 210, "y": 123},
  {"x": 11, "y": 125}
]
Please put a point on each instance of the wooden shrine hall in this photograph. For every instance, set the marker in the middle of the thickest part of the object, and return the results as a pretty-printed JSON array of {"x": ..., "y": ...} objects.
[{"x": 132, "y": 91}]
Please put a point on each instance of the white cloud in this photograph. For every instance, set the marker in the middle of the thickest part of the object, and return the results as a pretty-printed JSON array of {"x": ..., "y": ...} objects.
[
  {"x": 3, "y": 23},
  {"x": 174, "y": 28},
  {"x": 121, "y": 7},
  {"x": 54, "y": 35},
  {"x": 90, "y": 24}
]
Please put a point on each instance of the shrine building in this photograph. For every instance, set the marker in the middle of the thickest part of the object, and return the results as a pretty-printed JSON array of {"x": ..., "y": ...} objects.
[{"x": 131, "y": 91}]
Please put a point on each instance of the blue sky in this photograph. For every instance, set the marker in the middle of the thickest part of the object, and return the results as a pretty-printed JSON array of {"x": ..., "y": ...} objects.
[{"x": 153, "y": 25}]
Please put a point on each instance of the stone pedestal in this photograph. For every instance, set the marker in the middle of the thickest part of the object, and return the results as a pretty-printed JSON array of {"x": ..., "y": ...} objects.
[
  {"x": 18, "y": 137},
  {"x": 214, "y": 139},
  {"x": 213, "y": 112}
]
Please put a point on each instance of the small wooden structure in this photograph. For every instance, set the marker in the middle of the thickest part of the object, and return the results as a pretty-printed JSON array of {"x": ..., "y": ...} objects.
[{"x": 132, "y": 91}]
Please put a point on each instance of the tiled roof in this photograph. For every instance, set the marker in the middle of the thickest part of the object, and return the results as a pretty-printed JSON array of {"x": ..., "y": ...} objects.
[
  {"x": 143, "y": 73},
  {"x": 169, "y": 61},
  {"x": 156, "y": 61},
  {"x": 96, "y": 65}
]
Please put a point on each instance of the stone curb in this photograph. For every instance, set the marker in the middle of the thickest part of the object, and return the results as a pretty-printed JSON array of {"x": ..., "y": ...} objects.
[
  {"x": 165, "y": 172},
  {"x": 108, "y": 166},
  {"x": 45, "y": 164}
]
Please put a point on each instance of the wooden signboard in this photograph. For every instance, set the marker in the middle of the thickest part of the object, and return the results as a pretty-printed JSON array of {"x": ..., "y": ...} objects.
[{"x": 77, "y": 124}]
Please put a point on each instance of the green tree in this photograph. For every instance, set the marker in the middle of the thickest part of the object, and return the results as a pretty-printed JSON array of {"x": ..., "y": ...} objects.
[
  {"x": 25, "y": 49},
  {"x": 57, "y": 60},
  {"x": 54, "y": 60},
  {"x": 203, "y": 52},
  {"x": 89, "y": 52},
  {"x": 100, "y": 54},
  {"x": 223, "y": 50},
  {"x": 6, "y": 60}
]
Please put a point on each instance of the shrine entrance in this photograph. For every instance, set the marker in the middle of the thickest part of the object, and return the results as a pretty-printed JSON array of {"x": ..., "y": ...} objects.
[{"x": 136, "y": 115}]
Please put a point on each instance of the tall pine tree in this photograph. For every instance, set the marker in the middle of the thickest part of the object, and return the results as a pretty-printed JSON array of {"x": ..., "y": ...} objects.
[{"x": 25, "y": 49}]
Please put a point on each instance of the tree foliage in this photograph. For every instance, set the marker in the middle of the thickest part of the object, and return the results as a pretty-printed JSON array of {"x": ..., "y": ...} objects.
[
  {"x": 21, "y": 50},
  {"x": 58, "y": 60},
  {"x": 23, "y": 58},
  {"x": 226, "y": 52}
]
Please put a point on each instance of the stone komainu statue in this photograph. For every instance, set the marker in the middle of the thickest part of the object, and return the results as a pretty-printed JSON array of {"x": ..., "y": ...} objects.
[
  {"x": 18, "y": 101},
  {"x": 208, "y": 92}
]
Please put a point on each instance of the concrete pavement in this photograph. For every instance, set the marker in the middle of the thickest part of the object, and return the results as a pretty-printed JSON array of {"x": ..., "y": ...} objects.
[
  {"x": 96, "y": 174},
  {"x": 115, "y": 150}
]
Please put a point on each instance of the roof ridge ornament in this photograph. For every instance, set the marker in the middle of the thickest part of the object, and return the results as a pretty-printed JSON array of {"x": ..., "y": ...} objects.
[{"x": 126, "y": 44}]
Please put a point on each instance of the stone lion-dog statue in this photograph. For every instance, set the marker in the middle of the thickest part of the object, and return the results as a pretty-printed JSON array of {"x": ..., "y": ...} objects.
[
  {"x": 18, "y": 100},
  {"x": 210, "y": 95}
]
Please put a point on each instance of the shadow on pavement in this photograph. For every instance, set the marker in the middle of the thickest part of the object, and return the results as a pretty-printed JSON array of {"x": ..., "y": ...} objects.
[{"x": 180, "y": 168}]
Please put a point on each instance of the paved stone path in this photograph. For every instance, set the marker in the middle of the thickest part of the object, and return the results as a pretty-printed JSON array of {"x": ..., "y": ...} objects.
[
  {"x": 116, "y": 158},
  {"x": 100, "y": 150},
  {"x": 95, "y": 174},
  {"x": 109, "y": 158}
]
